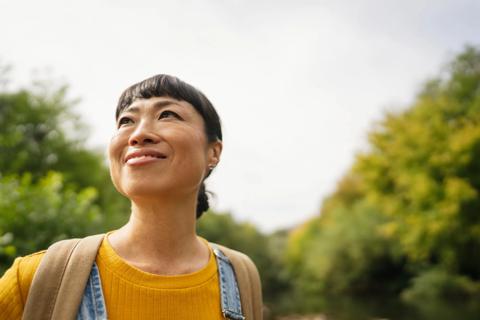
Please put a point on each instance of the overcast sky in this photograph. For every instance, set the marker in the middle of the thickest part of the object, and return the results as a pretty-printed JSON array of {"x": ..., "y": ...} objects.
[{"x": 296, "y": 83}]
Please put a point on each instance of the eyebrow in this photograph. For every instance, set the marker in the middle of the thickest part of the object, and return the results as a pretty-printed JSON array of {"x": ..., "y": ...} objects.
[{"x": 156, "y": 105}]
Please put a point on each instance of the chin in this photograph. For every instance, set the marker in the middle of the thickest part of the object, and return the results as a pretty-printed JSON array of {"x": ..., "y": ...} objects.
[
  {"x": 139, "y": 190},
  {"x": 146, "y": 186}
]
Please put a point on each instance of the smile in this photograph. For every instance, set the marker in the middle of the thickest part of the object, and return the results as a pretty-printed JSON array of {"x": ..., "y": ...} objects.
[{"x": 145, "y": 156}]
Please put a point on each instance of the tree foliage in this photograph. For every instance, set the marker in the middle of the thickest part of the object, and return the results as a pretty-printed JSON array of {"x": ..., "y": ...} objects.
[
  {"x": 406, "y": 214},
  {"x": 51, "y": 185},
  {"x": 39, "y": 132},
  {"x": 34, "y": 214},
  {"x": 423, "y": 173}
]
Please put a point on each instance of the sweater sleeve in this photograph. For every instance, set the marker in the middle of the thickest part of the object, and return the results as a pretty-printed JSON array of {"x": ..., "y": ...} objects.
[
  {"x": 15, "y": 284},
  {"x": 11, "y": 305}
]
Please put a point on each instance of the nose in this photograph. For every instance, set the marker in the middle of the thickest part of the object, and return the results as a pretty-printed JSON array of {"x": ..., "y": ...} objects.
[{"x": 143, "y": 135}]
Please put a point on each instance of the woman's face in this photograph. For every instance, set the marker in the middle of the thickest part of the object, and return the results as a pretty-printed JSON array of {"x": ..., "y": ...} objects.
[{"x": 160, "y": 148}]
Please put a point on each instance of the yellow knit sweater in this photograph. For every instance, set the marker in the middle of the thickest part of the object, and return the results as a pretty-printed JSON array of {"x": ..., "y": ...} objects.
[{"x": 129, "y": 292}]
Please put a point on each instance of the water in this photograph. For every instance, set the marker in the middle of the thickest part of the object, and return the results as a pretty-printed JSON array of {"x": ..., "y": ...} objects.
[{"x": 379, "y": 308}]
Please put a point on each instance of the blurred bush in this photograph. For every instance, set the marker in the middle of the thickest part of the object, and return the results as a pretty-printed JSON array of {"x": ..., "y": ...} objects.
[
  {"x": 405, "y": 218},
  {"x": 39, "y": 132},
  {"x": 51, "y": 185},
  {"x": 35, "y": 214},
  {"x": 437, "y": 284}
]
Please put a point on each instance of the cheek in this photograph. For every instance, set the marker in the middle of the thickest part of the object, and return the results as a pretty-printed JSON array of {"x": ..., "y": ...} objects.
[
  {"x": 193, "y": 153},
  {"x": 114, "y": 156},
  {"x": 114, "y": 150}
]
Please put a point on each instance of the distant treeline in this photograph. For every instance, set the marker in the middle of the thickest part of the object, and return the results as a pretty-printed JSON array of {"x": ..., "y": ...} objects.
[{"x": 403, "y": 221}]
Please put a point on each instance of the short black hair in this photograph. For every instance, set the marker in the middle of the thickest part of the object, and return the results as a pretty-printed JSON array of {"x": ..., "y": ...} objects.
[{"x": 163, "y": 85}]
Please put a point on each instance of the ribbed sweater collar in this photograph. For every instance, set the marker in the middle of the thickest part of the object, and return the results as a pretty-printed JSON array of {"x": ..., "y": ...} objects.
[{"x": 108, "y": 259}]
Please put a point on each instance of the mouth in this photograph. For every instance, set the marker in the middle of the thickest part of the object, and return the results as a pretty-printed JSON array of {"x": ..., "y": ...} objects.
[{"x": 143, "y": 157}]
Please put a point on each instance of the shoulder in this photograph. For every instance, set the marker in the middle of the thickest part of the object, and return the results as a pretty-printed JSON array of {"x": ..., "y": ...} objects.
[
  {"x": 27, "y": 266},
  {"x": 232, "y": 252},
  {"x": 244, "y": 267},
  {"x": 236, "y": 256},
  {"x": 23, "y": 269},
  {"x": 15, "y": 284}
]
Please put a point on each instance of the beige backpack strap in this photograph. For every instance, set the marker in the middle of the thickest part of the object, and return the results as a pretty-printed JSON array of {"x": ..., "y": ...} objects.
[
  {"x": 59, "y": 282},
  {"x": 248, "y": 281}
]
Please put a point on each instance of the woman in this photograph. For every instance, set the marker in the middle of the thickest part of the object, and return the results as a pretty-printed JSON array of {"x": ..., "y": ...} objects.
[{"x": 168, "y": 141}]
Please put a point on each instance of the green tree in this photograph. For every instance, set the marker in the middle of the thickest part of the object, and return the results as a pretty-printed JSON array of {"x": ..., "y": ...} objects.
[
  {"x": 407, "y": 212},
  {"x": 422, "y": 171},
  {"x": 343, "y": 250},
  {"x": 39, "y": 132},
  {"x": 34, "y": 214},
  {"x": 51, "y": 185}
]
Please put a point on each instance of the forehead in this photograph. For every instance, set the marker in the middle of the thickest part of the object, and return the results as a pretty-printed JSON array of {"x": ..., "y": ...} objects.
[{"x": 155, "y": 103}]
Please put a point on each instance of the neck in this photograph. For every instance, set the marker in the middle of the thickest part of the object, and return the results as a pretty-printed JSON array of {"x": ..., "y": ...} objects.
[{"x": 161, "y": 233}]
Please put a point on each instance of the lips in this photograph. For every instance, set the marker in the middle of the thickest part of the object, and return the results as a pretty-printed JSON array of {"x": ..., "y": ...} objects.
[{"x": 143, "y": 156}]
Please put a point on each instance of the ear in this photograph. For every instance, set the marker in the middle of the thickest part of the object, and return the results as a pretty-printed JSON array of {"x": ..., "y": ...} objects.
[{"x": 214, "y": 152}]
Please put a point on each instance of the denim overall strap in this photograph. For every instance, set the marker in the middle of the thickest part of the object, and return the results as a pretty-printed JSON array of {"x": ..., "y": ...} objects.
[
  {"x": 229, "y": 293},
  {"x": 92, "y": 306}
]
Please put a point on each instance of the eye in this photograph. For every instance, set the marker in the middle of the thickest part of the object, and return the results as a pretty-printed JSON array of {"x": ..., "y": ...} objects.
[
  {"x": 169, "y": 114},
  {"x": 124, "y": 120}
]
